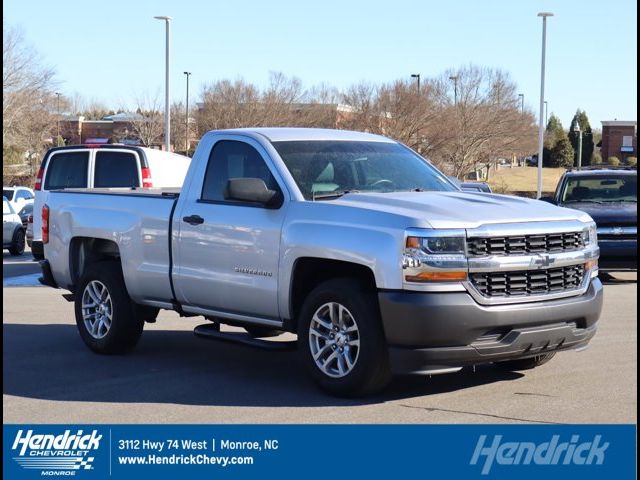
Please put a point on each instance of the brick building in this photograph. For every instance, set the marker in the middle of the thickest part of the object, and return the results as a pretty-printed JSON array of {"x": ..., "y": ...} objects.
[{"x": 619, "y": 139}]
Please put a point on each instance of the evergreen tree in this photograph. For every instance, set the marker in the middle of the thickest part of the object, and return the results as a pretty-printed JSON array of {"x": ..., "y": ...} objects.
[
  {"x": 555, "y": 130},
  {"x": 562, "y": 154},
  {"x": 553, "y": 134},
  {"x": 580, "y": 118}
]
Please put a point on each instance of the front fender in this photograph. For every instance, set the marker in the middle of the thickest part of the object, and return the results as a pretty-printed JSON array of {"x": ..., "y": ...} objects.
[{"x": 378, "y": 249}]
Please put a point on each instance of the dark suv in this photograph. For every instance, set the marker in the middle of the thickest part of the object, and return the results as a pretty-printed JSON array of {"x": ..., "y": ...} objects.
[{"x": 610, "y": 196}]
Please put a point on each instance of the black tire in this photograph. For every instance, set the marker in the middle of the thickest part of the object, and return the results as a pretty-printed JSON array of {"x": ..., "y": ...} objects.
[
  {"x": 17, "y": 246},
  {"x": 371, "y": 370},
  {"x": 527, "y": 363},
  {"x": 126, "y": 325},
  {"x": 262, "y": 332}
]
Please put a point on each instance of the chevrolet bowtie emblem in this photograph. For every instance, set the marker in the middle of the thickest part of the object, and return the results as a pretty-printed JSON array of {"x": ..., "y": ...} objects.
[{"x": 541, "y": 261}]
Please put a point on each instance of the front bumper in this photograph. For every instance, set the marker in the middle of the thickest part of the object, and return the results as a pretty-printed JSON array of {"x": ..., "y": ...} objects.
[
  {"x": 618, "y": 254},
  {"x": 433, "y": 331}
]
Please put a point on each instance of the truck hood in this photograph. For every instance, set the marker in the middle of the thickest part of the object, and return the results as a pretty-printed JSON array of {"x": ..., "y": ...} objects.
[
  {"x": 610, "y": 214},
  {"x": 461, "y": 209}
]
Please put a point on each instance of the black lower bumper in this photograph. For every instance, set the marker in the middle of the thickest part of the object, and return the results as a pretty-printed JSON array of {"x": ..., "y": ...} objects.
[
  {"x": 37, "y": 249},
  {"x": 431, "y": 331},
  {"x": 47, "y": 277},
  {"x": 618, "y": 254}
]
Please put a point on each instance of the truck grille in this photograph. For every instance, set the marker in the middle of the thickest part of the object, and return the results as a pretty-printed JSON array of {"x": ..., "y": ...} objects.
[
  {"x": 524, "y": 244},
  {"x": 528, "y": 282}
]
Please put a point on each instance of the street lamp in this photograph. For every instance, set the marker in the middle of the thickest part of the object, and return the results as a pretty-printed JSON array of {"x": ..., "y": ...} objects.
[
  {"x": 455, "y": 88},
  {"x": 417, "y": 76},
  {"x": 579, "y": 132},
  {"x": 521, "y": 95},
  {"x": 58, "y": 117},
  {"x": 167, "y": 115},
  {"x": 544, "y": 16},
  {"x": 546, "y": 113},
  {"x": 186, "y": 122}
]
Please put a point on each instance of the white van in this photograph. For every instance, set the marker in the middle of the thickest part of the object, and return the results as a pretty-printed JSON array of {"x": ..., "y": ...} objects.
[{"x": 94, "y": 166}]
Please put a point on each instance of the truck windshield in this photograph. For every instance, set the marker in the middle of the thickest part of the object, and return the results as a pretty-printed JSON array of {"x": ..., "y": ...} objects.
[
  {"x": 329, "y": 168},
  {"x": 601, "y": 189}
]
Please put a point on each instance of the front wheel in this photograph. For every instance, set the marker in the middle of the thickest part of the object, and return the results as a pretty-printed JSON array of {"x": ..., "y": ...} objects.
[
  {"x": 341, "y": 339},
  {"x": 527, "y": 363},
  {"x": 106, "y": 317}
]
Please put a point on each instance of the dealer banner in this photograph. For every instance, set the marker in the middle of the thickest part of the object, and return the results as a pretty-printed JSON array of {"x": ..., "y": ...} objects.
[{"x": 318, "y": 451}]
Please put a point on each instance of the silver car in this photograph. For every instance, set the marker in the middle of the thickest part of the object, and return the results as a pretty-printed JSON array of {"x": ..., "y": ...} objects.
[{"x": 13, "y": 235}]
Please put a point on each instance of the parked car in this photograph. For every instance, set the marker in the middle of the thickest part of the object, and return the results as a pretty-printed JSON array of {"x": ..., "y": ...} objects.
[
  {"x": 25, "y": 213},
  {"x": 610, "y": 197},
  {"x": 18, "y": 197},
  {"x": 482, "y": 187},
  {"x": 100, "y": 166},
  {"x": 351, "y": 240},
  {"x": 12, "y": 229}
]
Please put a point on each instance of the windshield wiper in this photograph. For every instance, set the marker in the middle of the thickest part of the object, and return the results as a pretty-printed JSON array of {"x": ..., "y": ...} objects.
[
  {"x": 583, "y": 201},
  {"x": 331, "y": 195}
]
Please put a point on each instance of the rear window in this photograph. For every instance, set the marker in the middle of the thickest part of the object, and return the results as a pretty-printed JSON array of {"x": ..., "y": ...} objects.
[
  {"x": 8, "y": 194},
  {"x": 116, "y": 169},
  {"x": 67, "y": 170}
]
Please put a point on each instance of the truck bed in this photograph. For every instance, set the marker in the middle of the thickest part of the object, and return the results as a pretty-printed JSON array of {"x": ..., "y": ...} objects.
[{"x": 136, "y": 221}]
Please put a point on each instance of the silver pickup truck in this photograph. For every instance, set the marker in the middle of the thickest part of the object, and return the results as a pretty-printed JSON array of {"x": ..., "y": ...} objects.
[{"x": 350, "y": 240}]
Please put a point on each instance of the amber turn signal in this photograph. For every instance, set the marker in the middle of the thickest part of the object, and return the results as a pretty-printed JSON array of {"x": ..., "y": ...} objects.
[{"x": 437, "y": 277}]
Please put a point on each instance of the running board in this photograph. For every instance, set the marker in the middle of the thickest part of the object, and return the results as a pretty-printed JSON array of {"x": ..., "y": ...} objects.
[{"x": 212, "y": 332}]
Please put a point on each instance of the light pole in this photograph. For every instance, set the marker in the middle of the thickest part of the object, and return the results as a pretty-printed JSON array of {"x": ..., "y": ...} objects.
[
  {"x": 58, "y": 117},
  {"x": 546, "y": 113},
  {"x": 521, "y": 95},
  {"x": 579, "y": 132},
  {"x": 416, "y": 76},
  {"x": 167, "y": 115},
  {"x": 455, "y": 88},
  {"x": 544, "y": 16},
  {"x": 186, "y": 122}
]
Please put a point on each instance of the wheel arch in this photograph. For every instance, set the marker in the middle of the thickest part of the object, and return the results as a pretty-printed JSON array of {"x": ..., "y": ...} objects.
[{"x": 309, "y": 272}]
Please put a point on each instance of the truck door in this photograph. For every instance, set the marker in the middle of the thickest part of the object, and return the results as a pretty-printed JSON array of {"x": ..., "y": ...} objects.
[{"x": 227, "y": 252}]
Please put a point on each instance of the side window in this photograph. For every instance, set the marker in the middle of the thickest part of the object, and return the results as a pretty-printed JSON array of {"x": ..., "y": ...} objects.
[
  {"x": 232, "y": 159},
  {"x": 67, "y": 170},
  {"x": 24, "y": 194},
  {"x": 116, "y": 169}
]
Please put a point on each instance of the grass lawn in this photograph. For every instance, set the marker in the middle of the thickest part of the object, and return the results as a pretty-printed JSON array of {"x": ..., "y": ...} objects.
[{"x": 524, "y": 179}]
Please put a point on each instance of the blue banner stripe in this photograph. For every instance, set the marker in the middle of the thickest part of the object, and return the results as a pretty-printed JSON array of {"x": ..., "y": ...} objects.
[{"x": 318, "y": 451}]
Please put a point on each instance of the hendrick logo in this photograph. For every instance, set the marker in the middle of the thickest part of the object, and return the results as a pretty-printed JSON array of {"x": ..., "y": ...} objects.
[
  {"x": 56, "y": 455},
  {"x": 552, "y": 452}
]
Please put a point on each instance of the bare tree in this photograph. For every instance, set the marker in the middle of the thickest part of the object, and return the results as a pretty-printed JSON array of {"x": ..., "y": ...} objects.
[
  {"x": 27, "y": 86},
  {"x": 485, "y": 124},
  {"x": 147, "y": 123}
]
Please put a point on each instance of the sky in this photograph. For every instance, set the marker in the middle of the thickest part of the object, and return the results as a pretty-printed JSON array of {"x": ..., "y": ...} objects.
[{"x": 114, "y": 52}]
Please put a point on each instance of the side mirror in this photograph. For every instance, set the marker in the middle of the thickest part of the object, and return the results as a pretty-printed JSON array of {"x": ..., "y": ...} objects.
[
  {"x": 252, "y": 190},
  {"x": 548, "y": 199}
]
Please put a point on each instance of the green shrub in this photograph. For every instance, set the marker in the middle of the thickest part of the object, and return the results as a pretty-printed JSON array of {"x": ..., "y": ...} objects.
[
  {"x": 596, "y": 159},
  {"x": 613, "y": 161},
  {"x": 632, "y": 161}
]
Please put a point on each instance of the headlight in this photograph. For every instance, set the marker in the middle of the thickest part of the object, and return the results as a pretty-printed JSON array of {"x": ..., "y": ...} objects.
[
  {"x": 435, "y": 256},
  {"x": 590, "y": 236}
]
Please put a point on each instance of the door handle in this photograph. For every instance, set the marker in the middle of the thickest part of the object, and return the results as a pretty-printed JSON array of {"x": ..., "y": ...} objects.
[{"x": 193, "y": 219}]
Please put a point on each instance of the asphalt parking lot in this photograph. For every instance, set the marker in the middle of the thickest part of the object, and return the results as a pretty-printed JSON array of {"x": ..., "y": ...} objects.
[{"x": 174, "y": 377}]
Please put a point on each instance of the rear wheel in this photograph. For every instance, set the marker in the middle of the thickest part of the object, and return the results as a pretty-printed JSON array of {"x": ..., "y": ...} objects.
[
  {"x": 527, "y": 363},
  {"x": 341, "y": 339},
  {"x": 17, "y": 246},
  {"x": 106, "y": 317}
]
